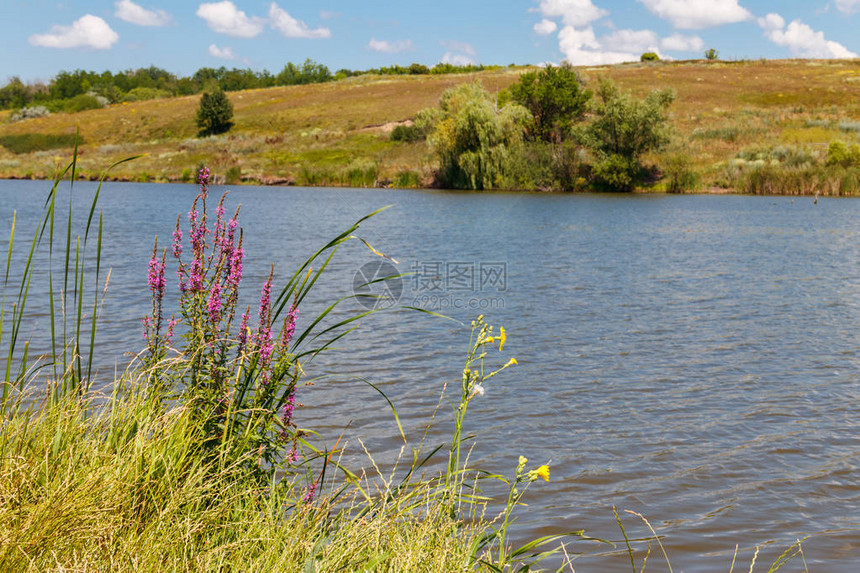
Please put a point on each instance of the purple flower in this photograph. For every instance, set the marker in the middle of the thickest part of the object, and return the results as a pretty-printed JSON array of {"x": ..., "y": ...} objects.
[
  {"x": 264, "y": 330},
  {"x": 311, "y": 493},
  {"x": 156, "y": 276},
  {"x": 203, "y": 179},
  {"x": 288, "y": 407},
  {"x": 177, "y": 241},
  {"x": 243, "y": 329},
  {"x": 213, "y": 306},
  {"x": 235, "y": 268},
  {"x": 289, "y": 327}
]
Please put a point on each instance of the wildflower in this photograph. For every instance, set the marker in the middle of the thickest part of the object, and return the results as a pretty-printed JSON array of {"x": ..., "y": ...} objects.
[
  {"x": 477, "y": 390},
  {"x": 311, "y": 493},
  {"x": 543, "y": 472},
  {"x": 289, "y": 327},
  {"x": 502, "y": 338},
  {"x": 203, "y": 178},
  {"x": 177, "y": 240},
  {"x": 213, "y": 306}
]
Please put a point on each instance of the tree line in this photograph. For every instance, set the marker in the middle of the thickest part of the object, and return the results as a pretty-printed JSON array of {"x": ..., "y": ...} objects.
[{"x": 153, "y": 82}]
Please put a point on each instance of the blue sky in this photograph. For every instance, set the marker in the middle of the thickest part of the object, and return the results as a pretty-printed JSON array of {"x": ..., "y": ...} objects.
[{"x": 38, "y": 38}]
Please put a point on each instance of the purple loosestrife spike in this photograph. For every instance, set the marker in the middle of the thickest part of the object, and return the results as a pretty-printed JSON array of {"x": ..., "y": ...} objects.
[
  {"x": 203, "y": 180},
  {"x": 177, "y": 240},
  {"x": 213, "y": 306},
  {"x": 289, "y": 327},
  {"x": 264, "y": 330},
  {"x": 293, "y": 455},
  {"x": 311, "y": 493},
  {"x": 243, "y": 330},
  {"x": 171, "y": 324}
]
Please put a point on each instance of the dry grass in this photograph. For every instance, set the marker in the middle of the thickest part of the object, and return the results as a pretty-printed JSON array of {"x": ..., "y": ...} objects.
[{"x": 315, "y": 132}]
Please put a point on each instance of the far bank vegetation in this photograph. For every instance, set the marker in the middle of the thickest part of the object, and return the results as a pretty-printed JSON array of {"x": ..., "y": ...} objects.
[{"x": 752, "y": 126}]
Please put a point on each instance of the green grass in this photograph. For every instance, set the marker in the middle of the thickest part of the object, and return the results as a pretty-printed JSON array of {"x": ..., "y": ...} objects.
[{"x": 30, "y": 142}]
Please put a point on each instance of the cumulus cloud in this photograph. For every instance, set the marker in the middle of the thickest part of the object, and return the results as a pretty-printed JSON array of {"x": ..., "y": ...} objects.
[
  {"x": 545, "y": 27},
  {"x": 292, "y": 28},
  {"x": 801, "y": 40},
  {"x": 698, "y": 14},
  {"x": 681, "y": 43},
  {"x": 630, "y": 40},
  {"x": 387, "y": 47},
  {"x": 458, "y": 47},
  {"x": 225, "y": 53},
  {"x": 86, "y": 32},
  {"x": 573, "y": 13},
  {"x": 581, "y": 47},
  {"x": 457, "y": 59},
  {"x": 135, "y": 14},
  {"x": 225, "y": 18},
  {"x": 848, "y": 6}
]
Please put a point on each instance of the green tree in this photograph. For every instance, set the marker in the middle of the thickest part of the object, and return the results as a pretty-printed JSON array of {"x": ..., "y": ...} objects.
[
  {"x": 650, "y": 57},
  {"x": 215, "y": 113},
  {"x": 712, "y": 54},
  {"x": 623, "y": 129},
  {"x": 474, "y": 141},
  {"x": 556, "y": 99}
]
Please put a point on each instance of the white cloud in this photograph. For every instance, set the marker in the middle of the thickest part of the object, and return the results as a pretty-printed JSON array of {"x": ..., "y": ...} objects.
[
  {"x": 131, "y": 12},
  {"x": 575, "y": 13},
  {"x": 681, "y": 43},
  {"x": 86, "y": 32},
  {"x": 225, "y": 18},
  {"x": 545, "y": 27},
  {"x": 581, "y": 47},
  {"x": 457, "y": 59},
  {"x": 630, "y": 40},
  {"x": 225, "y": 53},
  {"x": 389, "y": 47},
  {"x": 698, "y": 14},
  {"x": 292, "y": 28},
  {"x": 802, "y": 40},
  {"x": 848, "y": 6},
  {"x": 458, "y": 47}
]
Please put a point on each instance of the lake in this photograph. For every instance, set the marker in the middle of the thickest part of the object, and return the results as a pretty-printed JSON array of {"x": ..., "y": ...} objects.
[{"x": 692, "y": 358}]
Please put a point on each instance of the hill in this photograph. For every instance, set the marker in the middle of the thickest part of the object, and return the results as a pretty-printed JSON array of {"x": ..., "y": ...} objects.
[{"x": 727, "y": 115}]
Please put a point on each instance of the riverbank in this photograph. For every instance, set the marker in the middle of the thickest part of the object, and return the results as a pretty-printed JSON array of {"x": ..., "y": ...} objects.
[{"x": 730, "y": 119}]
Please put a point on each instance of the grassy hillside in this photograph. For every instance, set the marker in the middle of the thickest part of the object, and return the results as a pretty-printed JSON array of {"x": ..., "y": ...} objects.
[{"x": 726, "y": 113}]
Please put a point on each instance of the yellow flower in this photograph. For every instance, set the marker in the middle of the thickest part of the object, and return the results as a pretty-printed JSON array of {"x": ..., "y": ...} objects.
[
  {"x": 543, "y": 472},
  {"x": 512, "y": 361},
  {"x": 502, "y": 337}
]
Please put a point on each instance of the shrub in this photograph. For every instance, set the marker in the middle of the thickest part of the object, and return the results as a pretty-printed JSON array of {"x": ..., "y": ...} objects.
[
  {"x": 408, "y": 133},
  {"x": 843, "y": 155},
  {"x": 680, "y": 177},
  {"x": 712, "y": 54},
  {"x": 418, "y": 69},
  {"x": 215, "y": 113},
  {"x": 649, "y": 57},
  {"x": 623, "y": 130},
  {"x": 84, "y": 102},
  {"x": 473, "y": 140},
  {"x": 616, "y": 172},
  {"x": 556, "y": 99},
  {"x": 30, "y": 113},
  {"x": 233, "y": 175},
  {"x": 143, "y": 94}
]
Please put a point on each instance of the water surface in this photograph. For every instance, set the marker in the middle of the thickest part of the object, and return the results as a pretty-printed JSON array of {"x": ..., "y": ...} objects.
[{"x": 691, "y": 358}]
